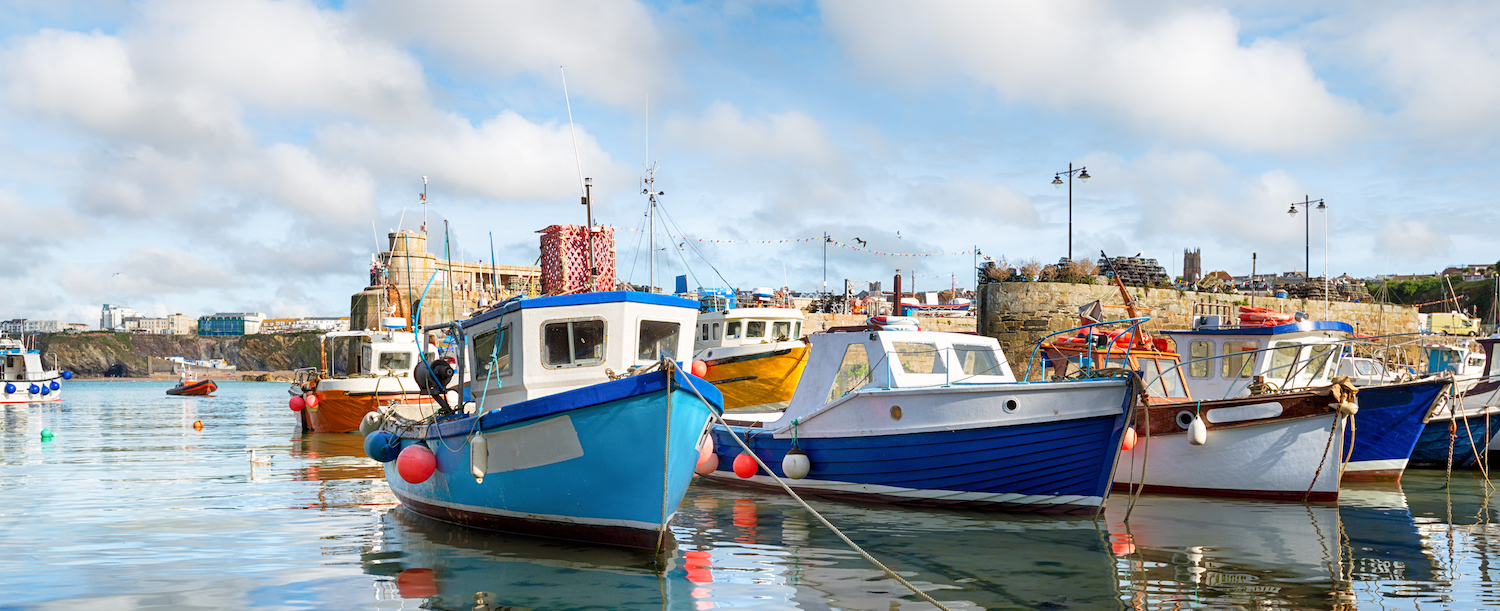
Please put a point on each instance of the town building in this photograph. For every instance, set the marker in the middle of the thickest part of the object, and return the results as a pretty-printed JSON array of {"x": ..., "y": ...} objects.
[
  {"x": 175, "y": 324},
  {"x": 112, "y": 318},
  {"x": 230, "y": 323},
  {"x": 325, "y": 324}
]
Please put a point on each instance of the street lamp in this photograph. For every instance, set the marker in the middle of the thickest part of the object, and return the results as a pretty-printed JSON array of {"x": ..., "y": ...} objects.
[
  {"x": 1057, "y": 181},
  {"x": 1307, "y": 230}
]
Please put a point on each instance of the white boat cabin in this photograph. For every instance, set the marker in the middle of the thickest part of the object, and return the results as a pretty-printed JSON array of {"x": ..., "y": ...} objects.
[
  {"x": 746, "y": 326},
  {"x": 370, "y": 353},
  {"x": 530, "y": 348},
  {"x": 1294, "y": 355},
  {"x": 22, "y": 365}
]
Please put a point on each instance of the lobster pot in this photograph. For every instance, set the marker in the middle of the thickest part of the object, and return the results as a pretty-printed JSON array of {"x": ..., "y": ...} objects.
[{"x": 565, "y": 260}]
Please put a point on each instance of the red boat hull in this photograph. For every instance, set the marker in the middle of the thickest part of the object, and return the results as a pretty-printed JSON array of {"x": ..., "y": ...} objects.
[{"x": 198, "y": 388}]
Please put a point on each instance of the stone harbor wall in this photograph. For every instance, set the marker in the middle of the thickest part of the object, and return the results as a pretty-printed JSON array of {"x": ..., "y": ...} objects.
[{"x": 1019, "y": 314}]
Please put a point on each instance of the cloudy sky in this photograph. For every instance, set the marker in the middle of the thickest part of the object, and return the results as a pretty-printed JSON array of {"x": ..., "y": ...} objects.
[{"x": 249, "y": 155}]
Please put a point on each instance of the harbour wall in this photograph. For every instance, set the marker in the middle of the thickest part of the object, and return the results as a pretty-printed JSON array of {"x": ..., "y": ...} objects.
[{"x": 1019, "y": 314}]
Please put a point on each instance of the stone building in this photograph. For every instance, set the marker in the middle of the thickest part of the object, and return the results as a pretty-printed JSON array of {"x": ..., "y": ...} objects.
[{"x": 401, "y": 276}]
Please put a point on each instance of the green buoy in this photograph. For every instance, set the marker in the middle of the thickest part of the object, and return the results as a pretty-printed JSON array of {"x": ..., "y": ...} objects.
[{"x": 46, "y": 434}]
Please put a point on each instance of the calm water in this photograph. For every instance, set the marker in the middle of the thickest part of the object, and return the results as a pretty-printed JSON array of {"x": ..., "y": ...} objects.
[{"x": 130, "y": 507}]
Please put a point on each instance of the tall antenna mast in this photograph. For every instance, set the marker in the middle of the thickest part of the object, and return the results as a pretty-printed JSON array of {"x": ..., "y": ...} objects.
[
  {"x": 650, "y": 192},
  {"x": 424, "y": 204}
]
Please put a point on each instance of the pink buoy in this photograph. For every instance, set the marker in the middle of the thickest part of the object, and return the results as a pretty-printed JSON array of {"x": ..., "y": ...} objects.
[
  {"x": 1128, "y": 443},
  {"x": 297, "y": 404},
  {"x": 416, "y": 463},
  {"x": 312, "y": 401},
  {"x": 699, "y": 368},
  {"x": 706, "y": 456},
  {"x": 744, "y": 466}
]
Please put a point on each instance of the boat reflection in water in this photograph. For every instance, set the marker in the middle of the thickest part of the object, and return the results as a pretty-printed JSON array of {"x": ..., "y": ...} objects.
[
  {"x": 334, "y": 456},
  {"x": 1384, "y": 544},
  {"x": 454, "y": 567},
  {"x": 1179, "y": 552}
]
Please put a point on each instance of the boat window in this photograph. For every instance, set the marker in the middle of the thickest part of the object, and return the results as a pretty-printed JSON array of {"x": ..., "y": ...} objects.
[
  {"x": 1364, "y": 368},
  {"x": 1238, "y": 365},
  {"x": 658, "y": 340},
  {"x": 1200, "y": 350},
  {"x": 366, "y": 360},
  {"x": 1164, "y": 379},
  {"x": 755, "y": 328},
  {"x": 1284, "y": 360},
  {"x": 853, "y": 372},
  {"x": 732, "y": 330},
  {"x": 395, "y": 361},
  {"x": 918, "y": 357},
  {"x": 978, "y": 360},
  {"x": 1322, "y": 355},
  {"x": 797, "y": 330},
  {"x": 716, "y": 331},
  {"x": 574, "y": 343},
  {"x": 705, "y": 332},
  {"x": 781, "y": 331},
  {"x": 492, "y": 346}
]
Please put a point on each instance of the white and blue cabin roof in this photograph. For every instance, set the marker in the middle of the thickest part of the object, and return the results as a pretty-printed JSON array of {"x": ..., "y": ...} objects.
[
  {"x": 1303, "y": 354},
  {"x": 530, "y": 348}
]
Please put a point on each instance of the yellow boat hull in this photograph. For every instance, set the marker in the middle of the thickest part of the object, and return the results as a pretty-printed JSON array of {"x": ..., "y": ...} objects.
[{"x": 763, "y": 379}]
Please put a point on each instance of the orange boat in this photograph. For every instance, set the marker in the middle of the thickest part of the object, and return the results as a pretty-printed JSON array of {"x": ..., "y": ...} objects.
[
  {"x": 190, "y": 387},
  {"x": 361, "y": 371}
]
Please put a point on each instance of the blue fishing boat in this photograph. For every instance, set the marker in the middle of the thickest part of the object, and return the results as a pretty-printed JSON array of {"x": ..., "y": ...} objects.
[
  {"x": 1262, "y": 354},
  {"x": 548, "y": 440},
  {"x": 929, "y": 418}
]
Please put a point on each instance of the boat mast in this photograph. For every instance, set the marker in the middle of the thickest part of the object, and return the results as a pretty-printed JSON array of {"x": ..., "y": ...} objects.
[{"x": 651, "y": 193}]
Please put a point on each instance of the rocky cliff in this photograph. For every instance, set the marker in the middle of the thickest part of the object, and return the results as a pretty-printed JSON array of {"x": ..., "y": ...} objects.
[{"x": 129, "y": 355}]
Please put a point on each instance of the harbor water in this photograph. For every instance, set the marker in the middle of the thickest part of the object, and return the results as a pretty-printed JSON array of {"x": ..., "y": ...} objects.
[{"x": 129, "y": 506}]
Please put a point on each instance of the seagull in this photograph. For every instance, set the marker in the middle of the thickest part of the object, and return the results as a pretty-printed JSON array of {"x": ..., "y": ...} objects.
[
  {"x": 259, "y": 460},
  {"x": 898, "y": 235},
  {"x": 116, "y": 274},
  {"x": 861, "y": 242}
]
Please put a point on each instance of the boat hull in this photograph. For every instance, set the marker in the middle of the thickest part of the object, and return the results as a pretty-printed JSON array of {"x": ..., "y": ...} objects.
[
  {"x": 1294, "y": 456},
  {"x": 22, "y": 396},
  {"x": 340, "y": 411},
  {"x": 195, "y": 389},
  {"x": 755, "y": 378},
  {"x": 1385, "y": 431},
  {"x": 1463, "y": 434},
  {"x": 605, "y": 464},
  {"x": 1048, "y": 464}
]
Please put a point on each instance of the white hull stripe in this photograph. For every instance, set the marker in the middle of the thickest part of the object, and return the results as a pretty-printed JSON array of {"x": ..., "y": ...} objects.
[{"x": 1376, "y": 465}]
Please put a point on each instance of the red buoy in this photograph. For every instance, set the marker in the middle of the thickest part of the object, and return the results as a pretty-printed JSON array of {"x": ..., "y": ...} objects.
[
  {"x": 312, "y": 401},
  {"x": 416, "y": 463},
  {"x": 297, "y": 403},
  {"x": 1128, "y": 443},
  {"x": 744, "y": 466},
  {"x": 699, "y": 368}
]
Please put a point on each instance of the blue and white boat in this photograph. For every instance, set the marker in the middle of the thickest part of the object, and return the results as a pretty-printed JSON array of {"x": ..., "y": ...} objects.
[
  {"x": 930, "y": 418},
  {"x": 1303, "y": 354},
  {"x": 1465, "y": 423},
  {"x": 23, "y": 378},
  {"x": 577, "y": 426}
]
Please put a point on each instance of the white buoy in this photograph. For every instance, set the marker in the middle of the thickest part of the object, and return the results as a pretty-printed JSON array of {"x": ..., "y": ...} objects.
[
  {"x": 370, "y": 423},
  {"x": 1197, "y": 432},
  {"x": 1348, "y": 408},
  {"x": 707, "y": 459},
  {"x": 479, "y": 457},
  {"x": 796, "y": 465}
]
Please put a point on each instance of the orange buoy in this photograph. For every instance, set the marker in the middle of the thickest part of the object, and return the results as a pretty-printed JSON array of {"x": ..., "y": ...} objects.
[
  {"x": 312, "y": 401},
  {"x": 197, "y": 425},
  {"x": 744, "y": 466},
  {"x": 699, "y": 368}
]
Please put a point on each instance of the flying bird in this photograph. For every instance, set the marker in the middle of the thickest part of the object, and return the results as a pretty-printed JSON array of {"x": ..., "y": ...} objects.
[
  {"x": 861, "y": 242},
  {"x": 116, "y": 274},
  {"x": 898, "y": 235}
]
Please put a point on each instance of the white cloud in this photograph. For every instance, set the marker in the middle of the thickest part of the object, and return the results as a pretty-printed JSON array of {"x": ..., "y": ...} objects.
[
  {"x": 1412, "y": 240},
  {"x": 791, "y": 137},
  {"x": 1180, "y": 73},
  {"x": 611, "y": 49}
]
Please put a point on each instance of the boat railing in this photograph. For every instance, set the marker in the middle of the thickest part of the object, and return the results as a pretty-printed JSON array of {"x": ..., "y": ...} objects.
[
  {"x": 1037, "y": 345},
  {"x": 304, "y": 374}
]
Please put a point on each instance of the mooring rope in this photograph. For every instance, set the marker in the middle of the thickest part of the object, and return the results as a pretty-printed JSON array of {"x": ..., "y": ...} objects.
[
  {"x": 814, "y": 512},
  {"x": 670, "y": 369}
]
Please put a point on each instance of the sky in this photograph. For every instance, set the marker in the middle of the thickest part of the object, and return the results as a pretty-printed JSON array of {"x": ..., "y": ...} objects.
[{"x": 250, "y": 155}]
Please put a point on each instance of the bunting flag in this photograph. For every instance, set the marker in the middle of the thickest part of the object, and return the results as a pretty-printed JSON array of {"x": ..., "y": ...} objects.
[{"x": 815, "y": 239}]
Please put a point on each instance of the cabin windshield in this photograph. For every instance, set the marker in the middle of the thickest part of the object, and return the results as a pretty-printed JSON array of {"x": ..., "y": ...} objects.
[
  {"x": 755, "y": 328},
  {"x": 853, "y": 372},
  {"x": 1163, "y": 377},
  {"x": 1237, "y": 364},
  {"x": 658, "y": 340},
  {"x": 781, "y": 331},
  {"x": 732, "y": 329},
  {"x": 917, "y": 357},
  {"x": 978, "y": 360},
  {"x": 395, "y": 361},
  {"x": 1200, "y": 350},
  {"x": 573, "y": 343},
  {"x": 1318, "y": 363},
  {"x": 492, "y": 346}
]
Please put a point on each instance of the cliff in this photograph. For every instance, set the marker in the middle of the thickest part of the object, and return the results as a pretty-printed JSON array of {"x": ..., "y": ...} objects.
[{"x": 129, "y": 355}]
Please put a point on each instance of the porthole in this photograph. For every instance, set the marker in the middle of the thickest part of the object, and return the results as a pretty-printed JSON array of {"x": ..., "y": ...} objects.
[
  {"x": 1011, "y": 405},
  {"x": 1185, "y": 419},
  {"x": 895, "y": 412}
]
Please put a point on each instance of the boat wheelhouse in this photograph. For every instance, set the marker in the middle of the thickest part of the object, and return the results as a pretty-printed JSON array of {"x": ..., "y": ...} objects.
[
  {"x": 753, "y": 350},
  {"x": 358, "y": 372},
  {"x": 932, "y": 418}
]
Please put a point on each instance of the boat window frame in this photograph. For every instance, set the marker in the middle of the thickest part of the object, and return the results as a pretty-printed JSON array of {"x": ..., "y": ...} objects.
[
  {"x": 785, "y": 326},
  {"x": 750, "y": 324},
  {"x": 716, "y": 332},
  {"x": 939, "y": 367},
  {"x": 732, "y": 329},
  {"x": 704, "y": 333},
  {"x": 1201, "y": 362},
  {"x": 961, "y": 352},
  {"x": 501, "y": 349},
  {"x": 386, "y": 361},
  {"x": 573, "y": 362},
  {"x": 1247, "y": 370},
  {"x": 658, "y": 347},
  {"x": 847, "y": 378}
]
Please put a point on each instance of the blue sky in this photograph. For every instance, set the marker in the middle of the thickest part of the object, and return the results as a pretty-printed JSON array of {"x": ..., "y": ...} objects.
[{"x": 179, "y": 156}]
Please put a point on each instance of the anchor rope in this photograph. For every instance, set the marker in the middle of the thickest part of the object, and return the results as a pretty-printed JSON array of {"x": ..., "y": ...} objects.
[{"x": 814, "y": 512}]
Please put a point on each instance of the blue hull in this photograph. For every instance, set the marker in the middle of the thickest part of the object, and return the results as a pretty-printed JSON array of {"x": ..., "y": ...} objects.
[
  {"x": 1390, "y": 420},
  {"x": 605, "y": 464},
  {"x": 1466, "y": 435},
  {"x": 1060, "y": 466}
]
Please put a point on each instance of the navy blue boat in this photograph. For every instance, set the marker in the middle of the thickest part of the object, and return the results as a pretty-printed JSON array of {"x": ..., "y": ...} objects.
[
  {"x": 1391, "y": 419},
  {"x": 1464, "y": 433}
]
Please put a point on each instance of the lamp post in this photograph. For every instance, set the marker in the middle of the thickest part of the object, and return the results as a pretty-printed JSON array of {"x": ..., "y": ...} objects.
[
  {"x": 1083, "y": 174},
  {"x": 1307, "y": 229}
]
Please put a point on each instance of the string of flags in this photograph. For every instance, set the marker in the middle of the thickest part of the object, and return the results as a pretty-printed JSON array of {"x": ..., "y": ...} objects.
[{"x": 813, "y": 239}]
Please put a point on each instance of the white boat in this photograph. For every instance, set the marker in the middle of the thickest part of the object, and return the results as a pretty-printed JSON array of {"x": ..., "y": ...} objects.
[
  {"x": 752, "y": 348},
  {"x": 931, "y": 418},
  {"x": 359, "y": 372},
  {"x": 25, "y": 379}
]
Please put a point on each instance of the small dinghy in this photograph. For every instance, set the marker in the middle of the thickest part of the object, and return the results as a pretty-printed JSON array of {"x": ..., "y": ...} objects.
[{"x": 189, "y": 386}]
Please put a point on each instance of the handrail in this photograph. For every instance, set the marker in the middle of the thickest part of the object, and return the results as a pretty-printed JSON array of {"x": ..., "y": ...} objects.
[{"x": 1038, "y": 343}]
